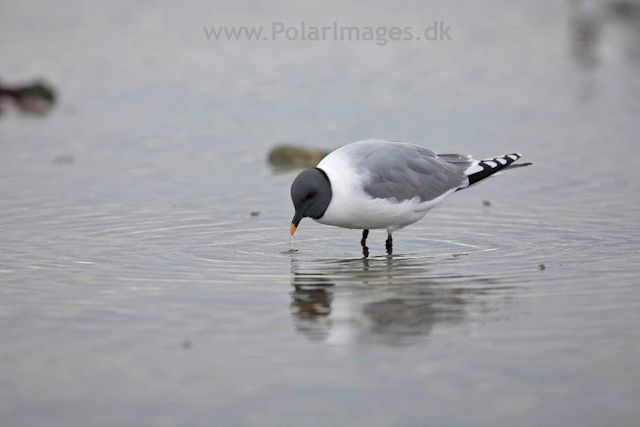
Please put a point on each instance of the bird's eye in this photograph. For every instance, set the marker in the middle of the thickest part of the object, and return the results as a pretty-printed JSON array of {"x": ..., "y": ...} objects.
[{"x": 310, "y": 196}]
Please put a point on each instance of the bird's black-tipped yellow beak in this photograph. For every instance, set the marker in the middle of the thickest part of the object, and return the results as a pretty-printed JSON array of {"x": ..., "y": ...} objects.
[{"x": 296, "y": 220}]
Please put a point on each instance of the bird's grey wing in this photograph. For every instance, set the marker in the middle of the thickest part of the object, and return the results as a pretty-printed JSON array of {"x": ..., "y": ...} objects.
[
  {"x": 462, "y": 160},
  {"x": 404, "y": 171}
]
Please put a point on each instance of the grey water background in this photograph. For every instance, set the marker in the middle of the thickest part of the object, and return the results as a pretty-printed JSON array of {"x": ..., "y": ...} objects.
[{"x": 136, "y": 288}]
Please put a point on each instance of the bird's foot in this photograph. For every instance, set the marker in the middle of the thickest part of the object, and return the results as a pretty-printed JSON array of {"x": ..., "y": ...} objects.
[
  {"x": 365, "y": 251},
  {"x": 389, "y": 245}
]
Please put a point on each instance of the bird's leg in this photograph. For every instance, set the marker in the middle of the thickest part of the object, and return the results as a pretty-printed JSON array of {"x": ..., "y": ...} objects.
[
  {"x": 389, "y": 242},
  {"x": 365, "y": 234},
  {"x": 363, "y": 242}
]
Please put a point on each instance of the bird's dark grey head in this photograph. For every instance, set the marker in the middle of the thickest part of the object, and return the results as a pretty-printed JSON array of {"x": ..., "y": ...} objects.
[{"x": 311, "y": 195}]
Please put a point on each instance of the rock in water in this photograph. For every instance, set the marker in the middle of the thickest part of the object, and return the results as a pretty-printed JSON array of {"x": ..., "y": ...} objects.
[
  {"x": 295, "y": 156},
  {"x": 35, "y": 98}
]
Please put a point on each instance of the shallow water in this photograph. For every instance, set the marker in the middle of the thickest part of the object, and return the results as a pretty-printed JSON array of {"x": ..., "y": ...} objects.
[{"x": 136, "y": 287}]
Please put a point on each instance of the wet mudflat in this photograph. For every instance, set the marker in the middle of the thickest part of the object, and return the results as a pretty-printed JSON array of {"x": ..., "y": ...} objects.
[{"x": 146, "y": 279}]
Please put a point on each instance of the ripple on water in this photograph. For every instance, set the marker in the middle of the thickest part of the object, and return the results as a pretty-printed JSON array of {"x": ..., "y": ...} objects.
[{"x": 159, "y": 244}]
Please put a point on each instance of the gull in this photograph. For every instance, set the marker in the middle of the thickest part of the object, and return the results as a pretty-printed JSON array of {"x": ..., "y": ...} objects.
[{"x": 378, "y": 184}]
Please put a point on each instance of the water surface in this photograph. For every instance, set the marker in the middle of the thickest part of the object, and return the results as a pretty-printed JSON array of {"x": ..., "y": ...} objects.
[{"x": 136, "y": 287}]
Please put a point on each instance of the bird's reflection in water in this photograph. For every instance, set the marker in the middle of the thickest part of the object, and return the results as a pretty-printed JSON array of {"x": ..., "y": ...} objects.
[
  {"x": 310, "y": 303},
  {"x": 388, "y": 299}
]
